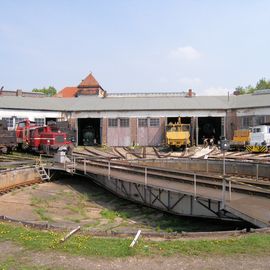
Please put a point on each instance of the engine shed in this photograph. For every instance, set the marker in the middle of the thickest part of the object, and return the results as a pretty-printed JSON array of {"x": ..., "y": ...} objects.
[{"x": 126, "y": 119}]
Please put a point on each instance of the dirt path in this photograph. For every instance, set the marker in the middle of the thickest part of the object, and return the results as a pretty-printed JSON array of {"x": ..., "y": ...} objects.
[{"x": 13, "y": 256}]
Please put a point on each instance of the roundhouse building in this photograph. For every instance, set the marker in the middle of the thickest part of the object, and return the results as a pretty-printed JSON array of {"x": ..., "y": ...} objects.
[{"x": 138, "y": 118}]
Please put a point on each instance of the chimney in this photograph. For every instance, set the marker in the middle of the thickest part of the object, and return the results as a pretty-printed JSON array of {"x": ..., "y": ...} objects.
[
  {"x": 19, "y": 93},
  {"x": 190, "y": 93}
]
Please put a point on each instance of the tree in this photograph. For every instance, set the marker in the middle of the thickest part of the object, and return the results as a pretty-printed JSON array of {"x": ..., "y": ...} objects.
[
  {"x": 50, "y": 91},
  {"x": 261, "y": 84}
]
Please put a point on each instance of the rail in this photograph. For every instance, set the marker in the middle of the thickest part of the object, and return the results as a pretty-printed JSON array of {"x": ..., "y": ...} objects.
[{"x": 245, "y": 168}]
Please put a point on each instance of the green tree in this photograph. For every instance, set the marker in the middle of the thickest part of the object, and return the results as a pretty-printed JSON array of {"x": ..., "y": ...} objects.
[
  {"x": 50, "y": 91},
  {"x": 261, "y": 84}
]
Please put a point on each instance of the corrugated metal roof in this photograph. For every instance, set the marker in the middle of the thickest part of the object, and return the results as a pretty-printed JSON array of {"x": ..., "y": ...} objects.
[
  {"x": 95, "y": 103},
  {"x": 249, "y": 101}
]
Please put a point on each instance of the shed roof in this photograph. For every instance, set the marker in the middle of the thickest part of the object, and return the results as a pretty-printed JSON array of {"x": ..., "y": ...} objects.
[
  {"x": 68, "y": 92},
  {"x": 95, "y": 103}
]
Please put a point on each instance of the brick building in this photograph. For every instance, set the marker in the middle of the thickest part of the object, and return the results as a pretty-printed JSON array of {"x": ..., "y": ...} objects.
[{"x": 123, "y": 119}]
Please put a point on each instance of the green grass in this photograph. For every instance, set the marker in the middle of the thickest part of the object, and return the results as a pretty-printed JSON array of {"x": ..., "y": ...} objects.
[
  {"x": 109, "y": 214},
  {"x": 255, "y": 244},
  {"x": 43, "y": 214}
]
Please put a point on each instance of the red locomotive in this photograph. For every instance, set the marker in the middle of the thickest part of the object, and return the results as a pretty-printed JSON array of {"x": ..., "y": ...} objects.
[{"x": 41, "y": 139}]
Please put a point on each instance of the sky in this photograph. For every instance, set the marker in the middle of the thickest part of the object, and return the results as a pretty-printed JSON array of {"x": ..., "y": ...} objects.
[{"x": 135, "y": 45}]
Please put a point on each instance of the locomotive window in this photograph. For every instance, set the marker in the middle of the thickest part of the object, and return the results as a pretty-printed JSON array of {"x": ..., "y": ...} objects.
[
  {"x": 142, "y": 122},
  {"x": 54, "y": 129},
  {"x": 9, "y": 121},
  {"x": 40, "y": 121},
  {"x": 113, "y": 122},
  {"x": 22, "y": 125},
  {"x": 124, "y": 122},
  {"x": 256, "y": 130},
  {"x": 185, "y": 127},
  {"x": 154, "y": 122}
]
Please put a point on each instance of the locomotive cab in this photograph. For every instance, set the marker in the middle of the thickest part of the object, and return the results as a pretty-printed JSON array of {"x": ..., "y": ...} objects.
[{"x": 259, "y": 139}]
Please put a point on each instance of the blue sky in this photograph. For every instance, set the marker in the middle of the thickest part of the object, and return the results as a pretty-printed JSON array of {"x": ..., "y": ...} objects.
[{"x": 135, "y": 45}]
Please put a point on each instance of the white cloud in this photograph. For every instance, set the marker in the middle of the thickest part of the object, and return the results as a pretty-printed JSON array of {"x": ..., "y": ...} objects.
[
  {"x": 186, "y": 53},
  {"x": 217, "y": 91}
]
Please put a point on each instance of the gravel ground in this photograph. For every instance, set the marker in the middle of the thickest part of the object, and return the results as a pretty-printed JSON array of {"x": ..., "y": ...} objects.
[{"x": 15, "y": 257}]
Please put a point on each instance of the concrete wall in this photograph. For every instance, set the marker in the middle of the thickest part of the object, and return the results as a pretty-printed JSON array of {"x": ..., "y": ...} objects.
[{"x": 18, "y": 176}]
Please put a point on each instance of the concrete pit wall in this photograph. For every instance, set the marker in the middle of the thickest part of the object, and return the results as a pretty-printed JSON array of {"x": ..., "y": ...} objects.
[{"x": 20, "y": 176}]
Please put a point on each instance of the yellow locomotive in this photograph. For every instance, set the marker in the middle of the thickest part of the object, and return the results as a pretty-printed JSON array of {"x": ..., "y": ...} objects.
[
  {"x": 178, "y": 134},
  {"x": 241, "y": 138}
]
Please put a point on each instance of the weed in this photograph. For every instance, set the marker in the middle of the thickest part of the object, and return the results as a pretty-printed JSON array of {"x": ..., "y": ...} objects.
[
  {"x": 43, "y": 214},
  {"x": 109, "y": 214}
]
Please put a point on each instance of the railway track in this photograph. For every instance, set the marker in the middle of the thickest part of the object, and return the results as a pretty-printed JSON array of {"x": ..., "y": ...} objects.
[
  {"x": 17, "y": 186},
  {"x": 265, "y": 157}
]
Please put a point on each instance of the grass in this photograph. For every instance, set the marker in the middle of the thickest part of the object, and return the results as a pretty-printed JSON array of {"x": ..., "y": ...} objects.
[
  {"x": 109, "y": 214},
  {"x": 43, "y": 214},
  {"x": 255, "y": 244}
]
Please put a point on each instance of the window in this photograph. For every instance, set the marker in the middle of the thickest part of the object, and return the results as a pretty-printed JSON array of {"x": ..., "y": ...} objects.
[
  {"x": 124, "y": 122},
  {"x": 19, "y": 119},
  {"x": 40, "y": 121},
  {"x": 142, "y": 122},
  {"x": 246, "y": 121},
  {"x": 258, "y": 120},
  {"x": 154, "y": 122},
  {"x": 9, "y": 121},
  {"x": 113, "y": 122}
]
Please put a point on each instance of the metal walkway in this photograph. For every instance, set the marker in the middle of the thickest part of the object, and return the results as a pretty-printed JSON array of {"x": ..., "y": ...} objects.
[{"x": 183, "y": 194}]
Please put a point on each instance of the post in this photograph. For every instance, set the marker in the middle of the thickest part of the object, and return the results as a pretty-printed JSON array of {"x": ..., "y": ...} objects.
[
  {"x": 69, "y": 234},
  {"x": 135, "y": 239},
  {"x": 84, "y": 166},
  {"x": 257, "y": 171},
  {"x": 207, "y": 165},
  {"x": 223, "y": 192},
  {"x": 224, "y": 168},
  {"x": 230, "y": 190},
  {"x": 195, "y": 186},
  {"x": 109, "y": 170},
  {"x": 223, "y": 183},
  {"x": 197, "y": 131},
  {"x": 145, "y": 177}
]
